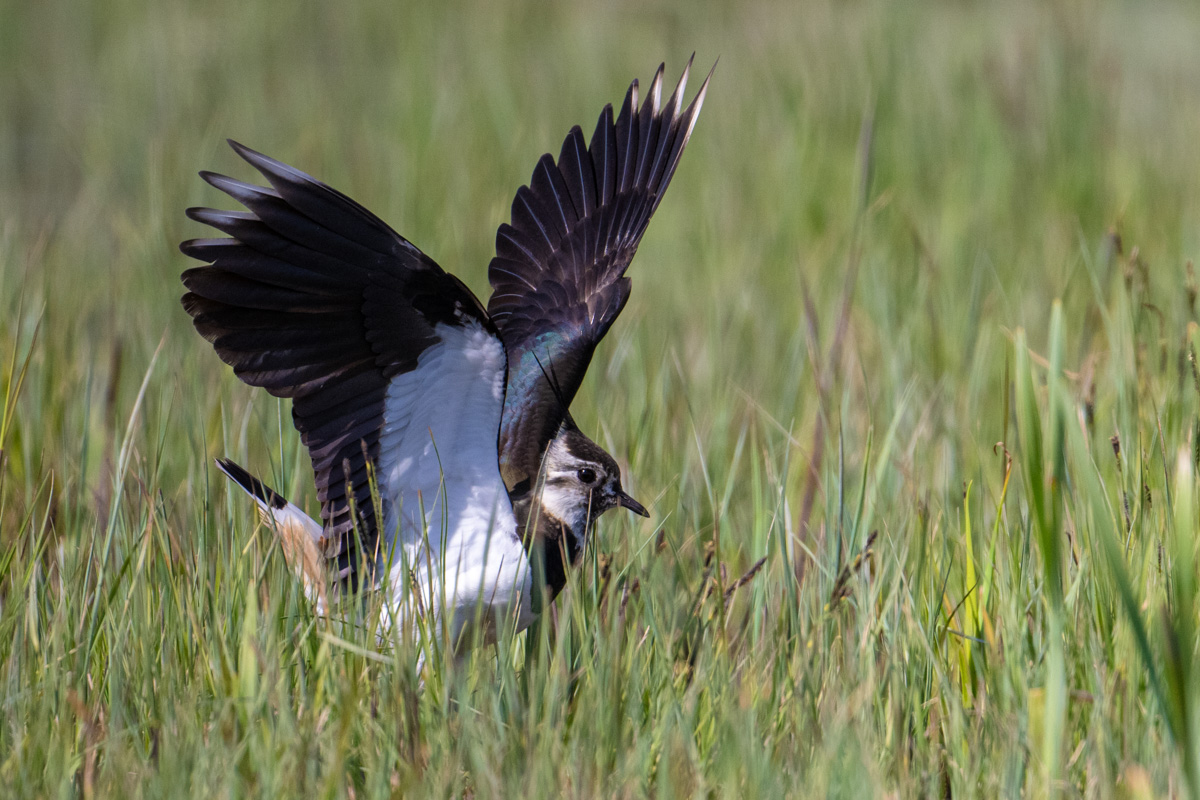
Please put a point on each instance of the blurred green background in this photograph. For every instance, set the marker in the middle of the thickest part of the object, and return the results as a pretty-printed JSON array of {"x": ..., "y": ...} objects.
[
  {"x": 1006, "y": 143},
  {"x": 964, "y": 163}
]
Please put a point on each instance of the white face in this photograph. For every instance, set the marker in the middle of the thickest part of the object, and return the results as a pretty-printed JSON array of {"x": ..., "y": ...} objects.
[{"x": 572, "y": 487}]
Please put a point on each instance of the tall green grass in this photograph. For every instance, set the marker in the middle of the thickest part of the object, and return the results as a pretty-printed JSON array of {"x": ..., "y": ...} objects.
[{"x": 908, "y": 379}]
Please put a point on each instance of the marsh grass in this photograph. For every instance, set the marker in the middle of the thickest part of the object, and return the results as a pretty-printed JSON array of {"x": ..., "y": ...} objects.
[{"x": 908, "y": 379}]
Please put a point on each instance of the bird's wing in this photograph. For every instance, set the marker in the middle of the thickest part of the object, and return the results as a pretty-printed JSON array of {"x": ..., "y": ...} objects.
[
  {"x": 558, "y": 278},
  {"x": 395, "y": 373}
]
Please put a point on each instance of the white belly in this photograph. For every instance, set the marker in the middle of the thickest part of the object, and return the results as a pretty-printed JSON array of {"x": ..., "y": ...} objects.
[
  {"x": 461, "y": 568},
  {"x": 449, "y": 530}
]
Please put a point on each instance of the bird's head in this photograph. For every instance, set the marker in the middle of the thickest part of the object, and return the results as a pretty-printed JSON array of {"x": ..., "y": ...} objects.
[{"x": 580, "y": 481}]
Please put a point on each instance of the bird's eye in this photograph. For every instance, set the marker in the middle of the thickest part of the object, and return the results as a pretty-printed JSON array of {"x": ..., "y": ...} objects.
[{"x": 586, "y": 475}]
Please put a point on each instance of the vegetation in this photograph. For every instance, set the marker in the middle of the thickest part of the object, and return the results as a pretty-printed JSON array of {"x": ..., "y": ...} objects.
[{"x": 908, "y": 380}]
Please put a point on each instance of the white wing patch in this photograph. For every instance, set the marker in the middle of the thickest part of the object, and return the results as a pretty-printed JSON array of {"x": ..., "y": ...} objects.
[{"x": 450, "y": 524}]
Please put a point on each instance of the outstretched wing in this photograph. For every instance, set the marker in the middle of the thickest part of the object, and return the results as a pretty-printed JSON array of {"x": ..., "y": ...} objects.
[
  {"x": 395, "y": 372},
  {"x": 558, "y": 278}
]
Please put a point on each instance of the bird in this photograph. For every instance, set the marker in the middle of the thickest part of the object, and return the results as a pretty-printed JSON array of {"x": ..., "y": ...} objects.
[{"x": 448, "y": 467}]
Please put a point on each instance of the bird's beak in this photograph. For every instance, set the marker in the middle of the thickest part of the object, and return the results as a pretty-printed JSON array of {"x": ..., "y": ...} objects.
[{"x": 625, "y": 501}]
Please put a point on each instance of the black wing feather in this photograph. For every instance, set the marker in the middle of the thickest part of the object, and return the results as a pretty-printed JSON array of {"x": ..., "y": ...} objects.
[
  {"x": 558, "y": 278},
  {"x": 601, "y": 152},
  {"x": 315, "y": 299}
]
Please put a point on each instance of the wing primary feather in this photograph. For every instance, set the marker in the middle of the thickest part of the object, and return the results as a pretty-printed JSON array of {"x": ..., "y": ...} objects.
[
  {"x": 676, "y": 101},
  {"x": 558, "y": 279},
  {"x": 320, "y": 202},
  {"x": 691, "y": 114},
  {"x": 528, "y": 202},
  {"x": 627, "y": 134},
  {"x": 244, "y": 193},
  {"x": 648, "y": 130},
  {"x": 217, "y": 218},
  {"x": 576, "y": 167},
  {"x": 602, "y": 151},
  {"x": 546, "y": 182},
  {"x": 671, "y": 120},
  {"x": 693, "y": 110}
]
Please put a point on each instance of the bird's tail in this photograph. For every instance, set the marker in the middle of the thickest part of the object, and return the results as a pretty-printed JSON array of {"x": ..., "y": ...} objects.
[{"x": 298, "y": 533}]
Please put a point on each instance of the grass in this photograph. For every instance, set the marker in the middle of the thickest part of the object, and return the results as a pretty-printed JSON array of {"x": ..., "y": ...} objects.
[{"x": 915, "y": 328}]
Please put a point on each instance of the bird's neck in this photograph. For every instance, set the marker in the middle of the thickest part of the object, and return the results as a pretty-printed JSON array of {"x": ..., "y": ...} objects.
[{"x": 552, "y": 546}]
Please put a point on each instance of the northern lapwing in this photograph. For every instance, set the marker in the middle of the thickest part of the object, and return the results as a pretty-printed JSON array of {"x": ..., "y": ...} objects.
[{"x": 448, "y": 467}]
